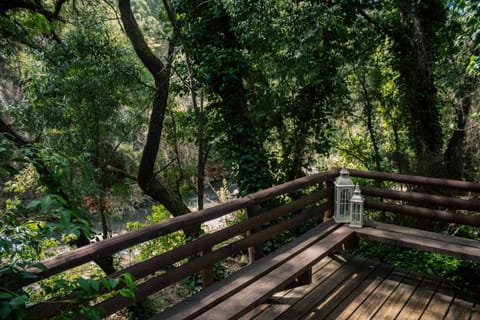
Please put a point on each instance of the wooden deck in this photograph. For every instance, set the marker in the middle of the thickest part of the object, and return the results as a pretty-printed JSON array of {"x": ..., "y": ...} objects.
[
  {"x": 341, "y": 289},
  {"x": 362, "y": 289}
]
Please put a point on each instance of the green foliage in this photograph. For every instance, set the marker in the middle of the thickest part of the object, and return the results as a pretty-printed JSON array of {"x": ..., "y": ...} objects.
[
  {"x": 83, "y": 98},
  {"x": 29, "y": 233},
  {"x": 161, "y": 244},
  {"x": 34, "y": 225},
  {"x": 380, "y": 143},
  {"x": 470, "y": 13},
  {"x": 89, "y": 290},
  {"x": 449, "y": 268},
  {"x": 288, "y": 48}
]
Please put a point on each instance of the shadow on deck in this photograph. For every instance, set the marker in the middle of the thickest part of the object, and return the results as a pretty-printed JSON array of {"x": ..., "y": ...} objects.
[{"x": 357, "y": 288}]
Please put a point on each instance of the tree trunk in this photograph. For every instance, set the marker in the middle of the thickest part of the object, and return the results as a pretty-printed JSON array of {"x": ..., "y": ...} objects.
[
  {"x": 147, "y": 180},
  {"x": 416, "y": 45},
  {"x": 455, "y": 155},
  {"x": 243, "y": 147}
]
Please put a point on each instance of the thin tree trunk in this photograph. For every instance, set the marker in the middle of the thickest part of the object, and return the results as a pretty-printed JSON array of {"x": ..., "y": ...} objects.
[{"x": 147, "y": 180}]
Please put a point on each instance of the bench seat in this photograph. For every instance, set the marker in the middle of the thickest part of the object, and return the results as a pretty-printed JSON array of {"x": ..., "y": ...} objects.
[
  {"x": 239, "y": 293},
  {"x": 420, "y": 239}
]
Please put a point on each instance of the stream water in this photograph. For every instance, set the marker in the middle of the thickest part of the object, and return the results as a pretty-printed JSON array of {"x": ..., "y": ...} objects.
[{"x": 119, "y": 221}]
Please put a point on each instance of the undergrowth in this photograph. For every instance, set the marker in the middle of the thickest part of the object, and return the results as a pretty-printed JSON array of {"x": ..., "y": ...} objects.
[{"x": 462, "y": 274}]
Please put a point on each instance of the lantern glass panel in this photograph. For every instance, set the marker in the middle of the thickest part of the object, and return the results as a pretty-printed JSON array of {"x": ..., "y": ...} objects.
[
  {"x": 355, "y": 213},
  {"x": 343, "y": 193},
  {"x": 356, "y": 208},
  {"x": 345, "y": 196},
  {"x": 342, "y": 204}
]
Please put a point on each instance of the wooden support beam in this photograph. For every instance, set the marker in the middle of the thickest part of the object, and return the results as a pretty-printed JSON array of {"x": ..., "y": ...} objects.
[
  {"x": 415, "y": 180},
  {"x": 447, "y": 216},
  {"x": 423, "y": 198},
  {"x": 255, "y": 252},
  {"x": 421, "y": 240}
]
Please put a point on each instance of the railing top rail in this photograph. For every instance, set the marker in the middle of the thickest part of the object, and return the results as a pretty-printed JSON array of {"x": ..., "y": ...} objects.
[
  {"x": 104, "y": 248},
  {"x": 417, "y": 180}
]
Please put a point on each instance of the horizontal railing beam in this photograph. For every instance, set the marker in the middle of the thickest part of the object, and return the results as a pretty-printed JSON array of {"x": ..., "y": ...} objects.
[
  {"x": 414, "y": 180},
  {"x": 446, "y": 216},
  {"x": 427, "y": 199}
]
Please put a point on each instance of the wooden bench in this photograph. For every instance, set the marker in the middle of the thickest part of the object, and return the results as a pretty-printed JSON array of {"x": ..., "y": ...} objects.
[
  {"x": 238, "y": 294},
  {"x": 419, "y": 239}
]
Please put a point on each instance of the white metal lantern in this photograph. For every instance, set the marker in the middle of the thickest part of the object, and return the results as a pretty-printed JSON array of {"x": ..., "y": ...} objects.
[
  {"x": 356, "y": 208},
  {"x": 343, "y": 193}
]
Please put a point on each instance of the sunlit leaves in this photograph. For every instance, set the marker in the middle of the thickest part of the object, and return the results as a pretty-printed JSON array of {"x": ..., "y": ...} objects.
[{"x": 159, "y": 245}]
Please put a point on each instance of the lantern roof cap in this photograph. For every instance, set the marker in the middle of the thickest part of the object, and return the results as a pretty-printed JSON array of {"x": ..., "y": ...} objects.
[
  {"x": 357, "y": 195},
  {"x": 343, "y": 180}
]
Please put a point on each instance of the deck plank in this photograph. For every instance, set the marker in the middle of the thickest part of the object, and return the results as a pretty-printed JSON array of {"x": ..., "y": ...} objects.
[
  {"x": 415, "y": 238},
  {"x": 420, "y": 299},
  {"x": 476, "y": 310},
  {"x": 423, "y": 234},
  {"x": 439, "y": 304},
  {"x": 354, "y": 300},
  {"x": 223, "y": 289},
  {"x": 279, "y": 301},
  {"x": 253, "y": 295},
  {"x": 362, "y": 289},
  {"x": 353, "y": 288},
  {"x": 379, "y": 296},
  {"x": 460, "y": 308},
  {"x": 357, "y": 277},
  {"x": 399, "y": 297},
  {"x": 323, "y": 291}
]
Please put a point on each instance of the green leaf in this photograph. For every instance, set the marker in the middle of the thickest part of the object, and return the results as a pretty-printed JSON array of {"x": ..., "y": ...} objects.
[
  {"x": 113, "y": 282},
  {"x": 84, "y": 285},
  {"x": 17, "y": 302},
  {"x": 32, "y": 204},
  {"x": 129, "y": 281},
  {"x": 5, "y": 310},
  {"x": 40, "y": 266},
  {"x": 5, "y": 295},
  {"x": 45, "y": 203},
  {"x": 59, "y": 199},
  {"x": 127, "y": 293},
  {"x": 106, "y": 284},
  {"x": 95, "y": 285},
  {"x": 65, "y": 218}
]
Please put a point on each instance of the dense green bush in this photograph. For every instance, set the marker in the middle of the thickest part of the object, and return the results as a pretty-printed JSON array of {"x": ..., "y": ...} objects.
[{"x": 458, "y": 272}]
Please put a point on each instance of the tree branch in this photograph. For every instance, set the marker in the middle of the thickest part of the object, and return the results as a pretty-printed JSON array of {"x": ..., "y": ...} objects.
[
  {"x": 34, "y": 6},
  {"x": 7, "y": 130},
  {"x": 151, "y": 62}
]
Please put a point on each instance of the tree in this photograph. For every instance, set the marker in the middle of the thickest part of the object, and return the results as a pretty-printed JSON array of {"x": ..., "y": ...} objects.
[
  {"x": 161, "y": 72},
  {"x": 218, "y": 64},
  {"x": 421, "y": 34},
  {"x": 295, "y": 52}
]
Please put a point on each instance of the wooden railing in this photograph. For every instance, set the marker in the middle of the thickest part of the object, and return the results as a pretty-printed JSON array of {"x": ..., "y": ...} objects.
[
  {"x": 263, "y": 224},
  {"x": 203, "y": 252},
  {"x": 422, "y": 204}
]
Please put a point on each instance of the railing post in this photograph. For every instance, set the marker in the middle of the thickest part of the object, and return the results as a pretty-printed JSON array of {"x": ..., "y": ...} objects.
[
  {"x": 208, "y": 277},
  {"x": 255, "y": 252},
  {"x": 331, "y": 200}
]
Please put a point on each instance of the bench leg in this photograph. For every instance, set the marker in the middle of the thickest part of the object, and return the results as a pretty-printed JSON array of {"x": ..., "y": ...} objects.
[
  {"x": 208, "y": 276},
  {"x": 304, "y": 279},
  {"x": 350, "y": 244}
]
